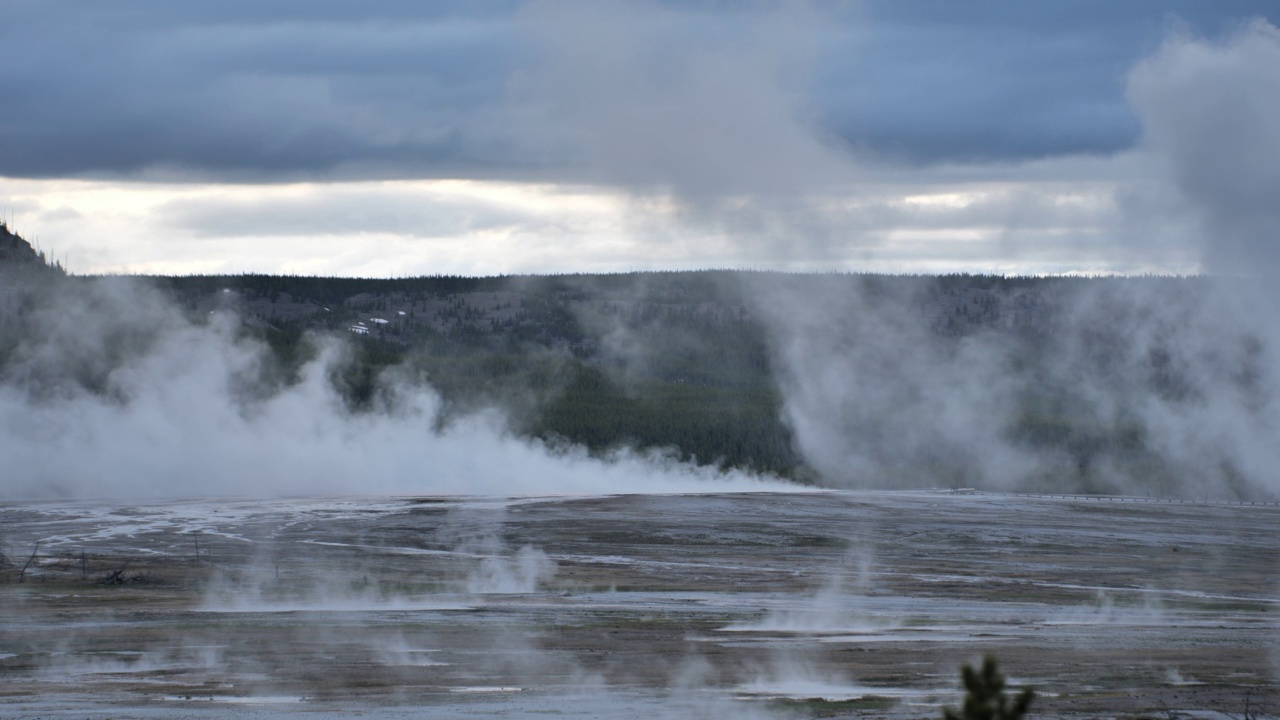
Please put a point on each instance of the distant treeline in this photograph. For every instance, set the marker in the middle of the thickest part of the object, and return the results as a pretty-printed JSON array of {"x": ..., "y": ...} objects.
[
  {"x": 17, "y": 255},
  {"x": 683, "y": 360},
  {"x": 699, "y": 364},
  {"x": 696, "y": 381}
]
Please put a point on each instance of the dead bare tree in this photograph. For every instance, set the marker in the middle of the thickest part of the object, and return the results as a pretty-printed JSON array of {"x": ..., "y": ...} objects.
[
  {"x": 115, "y": 577},
  {"x": 22, "y": 574},
  {"x": 1250, "y": 713}
]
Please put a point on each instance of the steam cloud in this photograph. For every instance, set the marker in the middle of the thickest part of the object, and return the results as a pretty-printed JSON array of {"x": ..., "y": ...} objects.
[
  {"x": 1187, "y": 369},
  {"x": 1151, "y": 386},
  {"x": 1209, "y": 113},
  {"x": 117, "y": 394},
  {"x": 709, "y": 127},
  {"x": 873, "y": 396}
]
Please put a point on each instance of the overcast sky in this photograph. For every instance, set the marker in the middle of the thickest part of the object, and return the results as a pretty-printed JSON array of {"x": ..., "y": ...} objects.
[{"x": 407, "y": 138}]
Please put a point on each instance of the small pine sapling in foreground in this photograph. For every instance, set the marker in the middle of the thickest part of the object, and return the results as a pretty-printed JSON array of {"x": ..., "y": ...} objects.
[{"x": 984, "y": 696}]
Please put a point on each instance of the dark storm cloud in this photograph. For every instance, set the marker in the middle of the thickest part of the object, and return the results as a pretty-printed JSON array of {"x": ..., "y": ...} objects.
[
  {"x": 993, "y": 80},
  {"x": 252, "y": 90}
]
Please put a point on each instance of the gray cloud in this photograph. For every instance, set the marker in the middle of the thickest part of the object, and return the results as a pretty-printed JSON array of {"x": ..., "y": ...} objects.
[
  {"x": 250, "y": 91},
  {"x": 342, "y": 210},
  {"x": 996, "y": 81},
  {"x": 287, "y": 90}
]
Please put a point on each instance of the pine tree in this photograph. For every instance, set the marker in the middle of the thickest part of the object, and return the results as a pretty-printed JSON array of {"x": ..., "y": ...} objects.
[{"x": 984, "y": 697}]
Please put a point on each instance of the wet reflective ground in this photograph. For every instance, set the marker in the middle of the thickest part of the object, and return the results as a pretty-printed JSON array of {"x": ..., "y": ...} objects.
[{"x": 750, "y": 605}]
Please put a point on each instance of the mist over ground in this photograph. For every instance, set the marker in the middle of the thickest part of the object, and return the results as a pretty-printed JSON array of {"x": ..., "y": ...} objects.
[
  {"x": 110, "y": 390},
  {"x": 1150, "y": 386}
]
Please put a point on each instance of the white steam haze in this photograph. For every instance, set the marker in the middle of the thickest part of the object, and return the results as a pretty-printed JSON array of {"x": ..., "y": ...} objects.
[
  {"x": 1209, "y": 113},
  {"x": 702, "y": 119},
  {"x": 652, "y": 98},
  {"x": 120, "y": 395},
  {"x": 1168, "y": 386},
  {"x": 874, "y": 397}
]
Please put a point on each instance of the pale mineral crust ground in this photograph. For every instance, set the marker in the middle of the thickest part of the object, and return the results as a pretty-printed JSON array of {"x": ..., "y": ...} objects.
[{"x": 809, "y": 604}]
